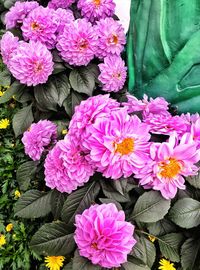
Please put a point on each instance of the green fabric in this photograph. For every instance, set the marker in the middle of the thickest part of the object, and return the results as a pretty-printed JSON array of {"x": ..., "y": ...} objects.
[{"x": 163, "y": 51}]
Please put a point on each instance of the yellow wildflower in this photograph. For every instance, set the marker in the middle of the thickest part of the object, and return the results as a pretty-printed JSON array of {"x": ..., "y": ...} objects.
[
  {"x": 2, "y": 240},
  {"x": 9, "y": 227},
  {"x": 166, "y": 265},
  {"x": 1, "y": 93},
  {"x": 64, "y": 131},
  {"x": 152, "y": 238},
  {"x": 17, "y": 194},
  {"x": 4, "y": 123},
  {"x": 54, "y": 262}
]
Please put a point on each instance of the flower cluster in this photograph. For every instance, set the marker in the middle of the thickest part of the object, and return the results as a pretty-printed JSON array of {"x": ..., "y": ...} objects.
[{"x": 78, "y": 41}]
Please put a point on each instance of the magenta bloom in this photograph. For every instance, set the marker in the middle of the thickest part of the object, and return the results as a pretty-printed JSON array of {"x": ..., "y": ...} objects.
[
  {"x": 96, "y": 9},
  {"x": 16, "y": 15},
  {"x": 87, "y": 113},
  {"x": 31, "y": 63},
  {"x": 66, "y": 167},
  {"x": 103, "y": 236},
  {"x": 60, "y": 3},
  {"x": 41, "y": 25},
  {"x": 111, "y": 38},
  {"x": 119, "y": 144},
  {"x": 113, "y": 74},
  {"x": 9, "y": 43},
  {"x": 170, "y": 162},
  {"x": 37, "y": 137},
  {"x": 77, "y": 43},
  {"x": 64, "y": 17}
]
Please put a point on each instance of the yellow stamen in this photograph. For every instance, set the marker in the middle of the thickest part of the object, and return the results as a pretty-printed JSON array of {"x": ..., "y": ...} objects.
[
  {"x": 169, "y": 168},
  {"x": 35, "y": 26},
  {"x": 97, "y": 2},
  {"x": 113, "y": 40},
  {"x": 125, "y": 147}
]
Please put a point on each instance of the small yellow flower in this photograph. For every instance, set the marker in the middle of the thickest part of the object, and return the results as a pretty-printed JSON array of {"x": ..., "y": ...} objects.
[
  {"x": 2, "y": 240},
  {"x": 4, "y": 123},
  {"x": 1, "y": 93},
  {"x": 166, "y": 265},
  {"x": 17, "y": 194},
  {"x": 152, "y": 238},
  {"x": 9, "y": 227},
  {"x": 54, "y": 262},
  {"x": 64, "y": 131}
]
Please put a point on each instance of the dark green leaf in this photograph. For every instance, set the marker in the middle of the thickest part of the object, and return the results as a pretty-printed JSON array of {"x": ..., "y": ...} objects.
[
  {"x": 58, "y": 67},
  {"x": 33, "y": 204},
  {"x": 57, "y": 201},
  {"x": 82, "y": 80},
  {"x": 68, "y": 266},
  {"x": 25, "y": 173},
  {"x": 13, "y": 90},
  {"x": 170, "y": 246},
  {"x": 186, "y": 213},
  {"x": 145, "y": 251},
  {"x": 161, "y": 227},
  {"x": 53, "y": 239},
  {"x": 150, "y": 207},
  {"x": 79, "y": 200},
  {"x": 71, "y": 102},
  {"x": 5, "y": 78},
  {"x": 22, "y": 120},
  {"x": 81, "y": 263},
  {"x": 194, "y": 180},
  {"x": 133, "y": 266},
  {"x": 118, "y": 205},
  {"x": 190, "y": 254}
]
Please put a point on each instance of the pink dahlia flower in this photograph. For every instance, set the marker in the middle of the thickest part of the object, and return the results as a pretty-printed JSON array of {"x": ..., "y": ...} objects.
[
  {"x": 16, "y": 15},
  {"x": 64, "y": 17},
  {"x": 119, "y": 144},
  {"x": 8, "y": 44},
  {"x": 103, "y": 236},
  {"x": 155, "y": 106},
  {"x": 39, "y": 136},
  {"x": 60, "y": 3},
  {"x": 113, "y": 74},
  {"x": 111, "y": 38},
  {"x": 87, "y": 113},
  {"x": 31, "y": 63},
  {"x": 165, "y": 124},
  {"x": 66, "y": 167},
  {"x": 41, "y": 25},
  {"x": 77, "y": 43},
  {"x": 170, "y": 162},
  {"x": 96, "y": 9}
]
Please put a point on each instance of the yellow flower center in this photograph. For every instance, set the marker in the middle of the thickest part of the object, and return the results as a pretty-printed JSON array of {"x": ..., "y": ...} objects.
[
  {"x": 170, "y": 168},
  {"x": 38, "y": 67},
  {"x": 97, "y": 2},
  {"x": 94, "y": 245},
  {"x": 125, "y": 147},
  {"x": 113, "y": 40},
  {"x": 83, "y": 45},
  {"x": 35, "y": 26}
]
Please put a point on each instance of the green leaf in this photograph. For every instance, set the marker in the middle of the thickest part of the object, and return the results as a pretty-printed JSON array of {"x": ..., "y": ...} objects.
[
  {"x": 170, "y": 246},
  {"x": 161, "y": 227},
  {"x": 53, "y": 239},
  {"x": 133, "y": 266},
  {"x": 73, "y": 100},
  {"x": 22, "y": 120},
  {"x": 190, "y": 254},
  {"x": 11, "y": 91},
  {"x": 194, "y": 180},
  {"x": 68, "y": 266},
  {"x": 57, "y": 201},
  {"x": 81, "y": 263},
  {"x": 25, "y": 173},
  {"x": 186, "y": 213},
  {"x": 150, "y": 207},
  {"x": 78, "y": 201},
  {"x": 82, "y": 80},
  {"x": 104, "y": 200},
  {"x": 33, "y": 204},
  {"x": 5, "y": 78},
  {"x": 145, "y": 251}
]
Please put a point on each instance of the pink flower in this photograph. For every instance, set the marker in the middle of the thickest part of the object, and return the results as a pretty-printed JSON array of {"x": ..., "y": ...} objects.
[
  {"x": 170, "y": 161},
  {"x": 31, "y": 63},
  {"x": 96, "y": 9},
  {"x": 77, "y": 43},
  {"x": 155, "y": 106},
  {"x": 87, "y": 113},
  {"x": 113, "y": 74},
  {"x": 37, "y": 137},
  {"x": 165, "y": 124},
  {"x": 119, "y": 144},
  {"x": 103, "y": 236},
  {"x": 111, "y": 38},
  {"x": 9, "y": 43},
  {"x": 60, "y": 3},
  {"x": 64, "y": 17},
  {"x": 195, "y": 131},
  {"x": 15, "y": 16},
  {"x": 40, "y": 25},
  {"x": 66, "y": 167}
]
